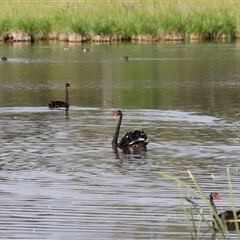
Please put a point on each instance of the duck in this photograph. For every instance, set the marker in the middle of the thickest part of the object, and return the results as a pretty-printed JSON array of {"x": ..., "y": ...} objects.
[{"x": 85, "y": 50}]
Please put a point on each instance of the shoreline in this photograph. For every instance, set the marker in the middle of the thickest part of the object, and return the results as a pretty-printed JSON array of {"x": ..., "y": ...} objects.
[
  {"x": 117, "y": 21},
  {"x": 20, "y": 36}
]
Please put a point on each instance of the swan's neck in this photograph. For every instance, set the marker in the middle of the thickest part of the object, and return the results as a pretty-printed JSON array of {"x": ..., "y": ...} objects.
[
  {"x": 115, "y": 137},
  {"x": 66, "y": 98},
  {"x": 213, "y": 207}
]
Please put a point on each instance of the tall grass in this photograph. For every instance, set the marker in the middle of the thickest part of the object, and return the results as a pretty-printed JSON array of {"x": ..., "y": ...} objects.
[
  {"x": 209, "y": 19},
  {"x": 192, "y": 209}
]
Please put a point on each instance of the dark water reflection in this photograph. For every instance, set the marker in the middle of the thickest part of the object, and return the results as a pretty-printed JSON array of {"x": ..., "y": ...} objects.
[{"x": 60, "y": 178}]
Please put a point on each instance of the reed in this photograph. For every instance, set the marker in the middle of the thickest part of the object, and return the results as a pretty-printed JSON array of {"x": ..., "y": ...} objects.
[
  {"x": 191, "y": 209},
  {"x": 207, "y": 19}
]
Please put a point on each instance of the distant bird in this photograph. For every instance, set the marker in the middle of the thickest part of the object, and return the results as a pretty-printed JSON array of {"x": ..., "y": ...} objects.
[
  {"x": 4, "y": 59},
  {"x": 126, "y": 58},
  {"x": 67, "y": 48},
  {"x": 85, "y": 50},
  {"x": 10, "y": 39},
  {"x": 227, "y": 217},
  {"x": 58, "y": 104},
  {"x": 134, "y": 139}
]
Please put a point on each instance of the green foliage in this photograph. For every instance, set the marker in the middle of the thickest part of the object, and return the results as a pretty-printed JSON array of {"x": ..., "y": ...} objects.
[
  {"x": 128, "y": 28},
  {"x": 4, "y": 25},
  {"x": 127, "y": 18},
  {"x": 174, "y": 21},
  {"x": 104, "y": 26},
  {"x": 77, "y": 24},
  {"x": 192, "y": 209}
]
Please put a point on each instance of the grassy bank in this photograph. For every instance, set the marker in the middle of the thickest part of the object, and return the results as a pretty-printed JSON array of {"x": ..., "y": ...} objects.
[{"x": 116, "y": 20}]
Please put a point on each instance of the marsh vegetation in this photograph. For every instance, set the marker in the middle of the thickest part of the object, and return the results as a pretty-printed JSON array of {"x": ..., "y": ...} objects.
[{"x": 118, "y": 21}]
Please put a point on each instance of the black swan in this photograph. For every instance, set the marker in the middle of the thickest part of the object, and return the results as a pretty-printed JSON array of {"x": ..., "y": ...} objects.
[
  {"x": 4, "y": 59},
  {"x": 126, "y": 58},
  {"x": 58, "y": 104},
  {"x": 133, "y": 139},
  {"x": 227, "y": 217}
]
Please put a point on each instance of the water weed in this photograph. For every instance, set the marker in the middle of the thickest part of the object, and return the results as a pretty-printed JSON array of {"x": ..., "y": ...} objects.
[{"x": 195, "y": 215}]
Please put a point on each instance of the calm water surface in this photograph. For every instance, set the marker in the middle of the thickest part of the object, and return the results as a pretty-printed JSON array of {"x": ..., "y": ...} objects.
[{"x": 60, "y": 178}]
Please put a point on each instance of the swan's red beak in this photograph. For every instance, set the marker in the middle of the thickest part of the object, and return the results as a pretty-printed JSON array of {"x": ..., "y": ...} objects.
[
  {"x": 116, "y": 114},
  {"x": 218, "y": 198}
]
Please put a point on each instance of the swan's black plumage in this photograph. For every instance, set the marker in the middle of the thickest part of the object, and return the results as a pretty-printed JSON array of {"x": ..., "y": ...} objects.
[
  {"x": 135, "y": 138},
  {"x": 227, "y": 217},
  {"x": 58, "y": 104}
]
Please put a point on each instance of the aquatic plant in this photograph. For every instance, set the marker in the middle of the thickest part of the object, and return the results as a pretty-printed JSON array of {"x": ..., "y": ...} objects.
[{"x": 194, "y": 213}]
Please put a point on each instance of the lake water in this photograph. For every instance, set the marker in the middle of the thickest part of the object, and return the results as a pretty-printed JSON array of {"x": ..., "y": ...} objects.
[{"x": 60, "y": 178}]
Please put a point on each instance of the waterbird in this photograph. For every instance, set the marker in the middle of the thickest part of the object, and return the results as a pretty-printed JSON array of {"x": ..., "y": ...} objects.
[
  {"x": 227, "y": 217},
  {"x": 58, "y": 104},
  {"x": 135, "y": 139},
  {"x": 85, "y": 50}
]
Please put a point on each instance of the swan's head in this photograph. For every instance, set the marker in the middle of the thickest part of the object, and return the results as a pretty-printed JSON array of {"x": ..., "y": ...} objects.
[
  {"x": 216, "y": 196},
  {"x": 118, "y": 113},
  {"x": 67, "y": 85}
]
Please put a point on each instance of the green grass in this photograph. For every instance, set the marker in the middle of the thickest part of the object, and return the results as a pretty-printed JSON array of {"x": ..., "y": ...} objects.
[
  {"x": 211, "y": 19},
  {"x": 193, "y": 210}
]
